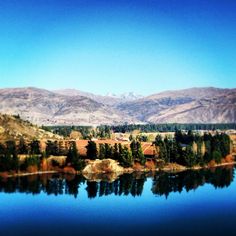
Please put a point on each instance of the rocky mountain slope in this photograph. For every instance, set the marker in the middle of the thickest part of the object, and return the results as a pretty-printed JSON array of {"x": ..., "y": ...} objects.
[
  {"x": 45, "y": 107},
  {"x": 195, "y": 105},
  {"x": 12, "y": 127},
  {"x": 73, "y": 107}
]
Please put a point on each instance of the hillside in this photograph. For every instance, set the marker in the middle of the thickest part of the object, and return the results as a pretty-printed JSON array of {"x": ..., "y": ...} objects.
[
  {"x": 73, "y": 107},
  {"x": 41, "y": 106},
  {"x": 12, "y": 127},
  {"x": 195, "y": 105}
]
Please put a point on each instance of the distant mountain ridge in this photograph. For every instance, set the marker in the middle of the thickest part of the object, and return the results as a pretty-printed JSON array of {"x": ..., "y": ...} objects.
[
  {"x": 74, "y": 107},
  {"x": 194, "y": 105},
  {"x": 109, "y": 99}
]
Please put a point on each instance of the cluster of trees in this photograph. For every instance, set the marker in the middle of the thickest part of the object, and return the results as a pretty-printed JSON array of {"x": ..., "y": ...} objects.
[
  {"x": 10, "y": 151},
  {"x": 73, "y": 157},
  {"x": 105, "y": 131},
  {"x": 124, "y": 155},
  {"x": 85, "y": 132},
  {"x": 190, "y": 149},
  {"x": 186, "y": 148},
  {"x": 9, "y": 155}
]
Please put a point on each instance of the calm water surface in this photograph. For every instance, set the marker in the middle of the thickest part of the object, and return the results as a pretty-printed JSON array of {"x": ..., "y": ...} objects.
[{"x": 189, "y": 203}]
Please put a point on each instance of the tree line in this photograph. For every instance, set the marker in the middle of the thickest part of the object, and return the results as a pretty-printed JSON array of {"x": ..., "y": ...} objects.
[
  {"x": 84, "y": 132},
  {"x": 9, "y": 152},
  {"x": 185, "y": 148},
  {"x": 122, "y": 153},
  {"x": 105, "y": 131},
  {"x": 170, "y": 127}
]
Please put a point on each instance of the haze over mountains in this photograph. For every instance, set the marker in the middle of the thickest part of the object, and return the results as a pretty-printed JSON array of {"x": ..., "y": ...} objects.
[{"x": 74, "y": 107}]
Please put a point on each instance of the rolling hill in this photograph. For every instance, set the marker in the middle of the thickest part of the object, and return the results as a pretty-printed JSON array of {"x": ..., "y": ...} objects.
[
  {"x": 41, "y": 106},
  {"x": 73, "y": 107},
  {"x": 195, "y": 105}
]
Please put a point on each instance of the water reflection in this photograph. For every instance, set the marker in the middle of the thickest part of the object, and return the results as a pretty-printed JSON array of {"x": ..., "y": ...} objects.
[
  {"x": 128, "y": 184},
  {"x": 164, "y": 183}
]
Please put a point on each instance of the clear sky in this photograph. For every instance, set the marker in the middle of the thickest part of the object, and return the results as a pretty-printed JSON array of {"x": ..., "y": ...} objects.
[{"x": 118, "y": 46}]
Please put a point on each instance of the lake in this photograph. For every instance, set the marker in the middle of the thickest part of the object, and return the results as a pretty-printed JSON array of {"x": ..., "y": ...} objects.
[{"x": 199, "y": 202}]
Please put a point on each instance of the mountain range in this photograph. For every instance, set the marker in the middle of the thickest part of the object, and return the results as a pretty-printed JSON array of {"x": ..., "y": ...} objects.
[{"x": 74, "y": 107}]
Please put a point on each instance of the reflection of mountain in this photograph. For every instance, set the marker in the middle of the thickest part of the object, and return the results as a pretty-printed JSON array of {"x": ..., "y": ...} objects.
[{"x": 127, "y": 184}]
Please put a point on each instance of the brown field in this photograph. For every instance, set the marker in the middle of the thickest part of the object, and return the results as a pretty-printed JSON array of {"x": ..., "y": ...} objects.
[{"x": 148, "y": 148}]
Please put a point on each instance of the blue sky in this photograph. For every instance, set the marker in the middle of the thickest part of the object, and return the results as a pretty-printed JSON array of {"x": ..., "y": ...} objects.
[{"x": 118, "y": 46}]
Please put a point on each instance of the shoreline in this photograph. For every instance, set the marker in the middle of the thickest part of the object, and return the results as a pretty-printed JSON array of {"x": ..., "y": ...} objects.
[
  {"x": 168, "y": 169},
  {"x": 28, "y": 173},
  {"x": 184, "y": 168}
]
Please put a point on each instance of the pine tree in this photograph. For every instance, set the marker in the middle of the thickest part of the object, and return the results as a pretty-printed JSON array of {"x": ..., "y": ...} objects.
[
  {"x": 92, "y": 152},
  {"x": 126, "y": 157},
  {"x": 73, "y": 157},
  {"x": 102, "y": 151},
  {"x": 22, "y": 148},
  {"x": 116, "y": 152},
  {"x": 35, "y": 147}
]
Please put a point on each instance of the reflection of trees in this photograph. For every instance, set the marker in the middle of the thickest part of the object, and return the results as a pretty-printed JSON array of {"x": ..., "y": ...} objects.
[
  {"x": 127, "y": 184},
  {"x": 221, "y": 177},
  {"x": 51, "y": 184},
  {"x": 92, "y": 189},
  {"x": 72, "y": 185},
  {"x": 164, "y": 183}
]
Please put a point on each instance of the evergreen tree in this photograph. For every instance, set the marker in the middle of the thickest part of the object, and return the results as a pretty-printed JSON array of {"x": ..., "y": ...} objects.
[
  {"x": 22, "y": 148},
  {"x": 11, "y": 154},
  {"x": 140, "y": 156},
  {"x": 216, "y": 155},
  {"x": 189, "y": 157},
  {"x": 102, "y": 151},
  {"x": 116, "y": 152},
  {"x": 108, "y": 151},
  {"x": 137, "y": 152},
  {"x": 35, "y": 147},
  {"x": 126, "y": 157},
  {"x": 92, "y": 151},
  {"x": 73, "y": 157},
  {"x": 52, "y": 148}
]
